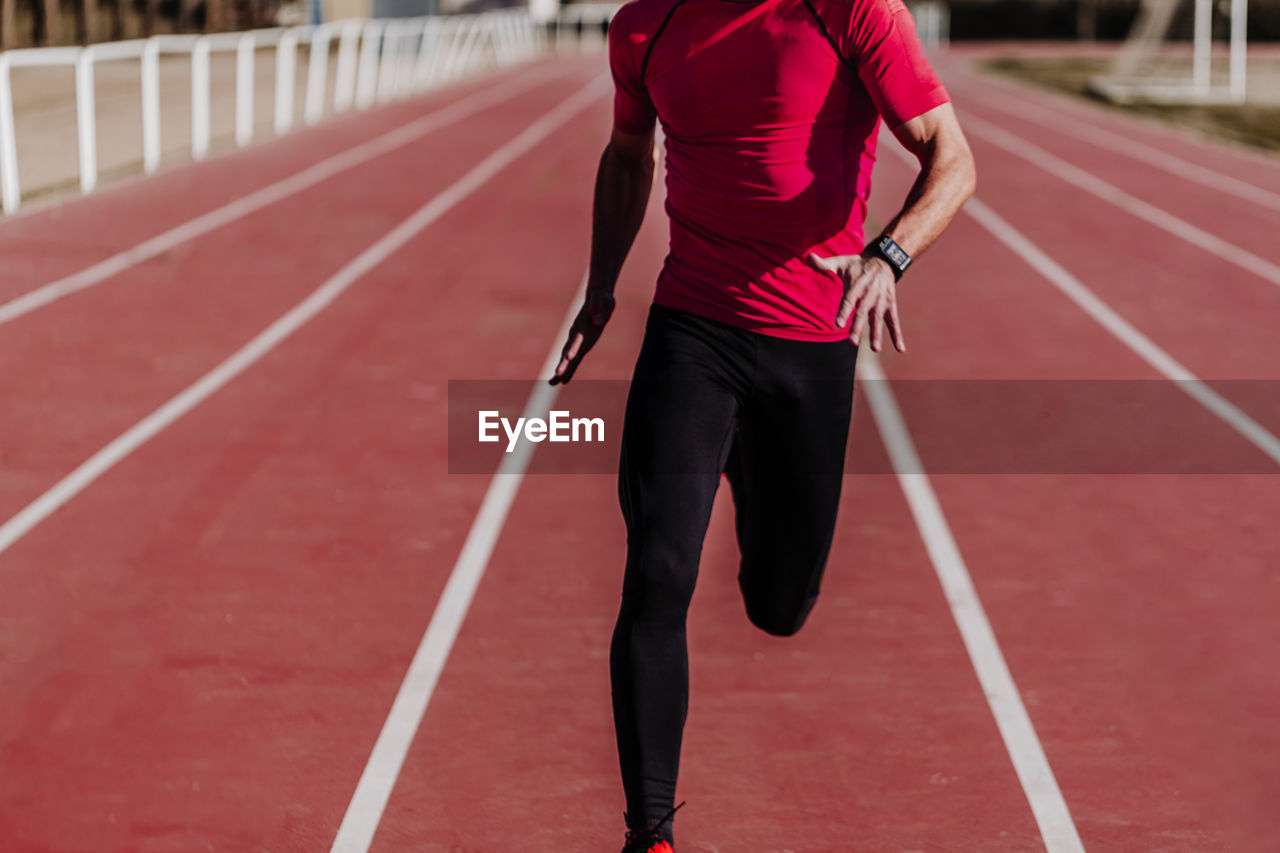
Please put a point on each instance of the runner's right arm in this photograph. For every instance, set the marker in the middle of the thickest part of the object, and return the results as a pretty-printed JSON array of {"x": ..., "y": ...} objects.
[{"x": 623, "y": 183}]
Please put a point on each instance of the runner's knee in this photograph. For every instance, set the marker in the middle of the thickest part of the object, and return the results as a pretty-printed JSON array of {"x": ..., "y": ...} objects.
[
  {"x": 780, "y": 620},
  {"x": 780, "y": 593},
  {"x": 660, "y": 578}
]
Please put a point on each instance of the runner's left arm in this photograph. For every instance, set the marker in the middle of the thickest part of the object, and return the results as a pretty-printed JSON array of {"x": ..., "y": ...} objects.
[
  {"x": 947, "y": 178},
  {"x": 913, "y": 103}
]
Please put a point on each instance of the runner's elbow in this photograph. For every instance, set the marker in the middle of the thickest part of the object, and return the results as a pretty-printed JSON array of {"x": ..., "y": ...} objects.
[
  {"x": 969, "y": 182},
  {"x": 631, "y": 149},
  {"x": 622, "y": 167},
  {"x": 956, "y": 163}
]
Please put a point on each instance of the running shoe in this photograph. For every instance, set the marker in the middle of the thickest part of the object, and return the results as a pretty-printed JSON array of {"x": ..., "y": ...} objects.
[
  {"x": 636, "y": 843},
  {"x": 649, "y": 840}
]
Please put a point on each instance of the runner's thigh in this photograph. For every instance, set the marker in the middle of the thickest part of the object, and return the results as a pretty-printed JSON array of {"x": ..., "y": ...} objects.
[
  {"x": 680, "y": 415},
  {"x": 787, "y": 469}
]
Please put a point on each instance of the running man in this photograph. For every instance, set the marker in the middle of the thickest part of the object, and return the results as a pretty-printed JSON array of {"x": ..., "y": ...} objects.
[{"x": 770, "y": 109}]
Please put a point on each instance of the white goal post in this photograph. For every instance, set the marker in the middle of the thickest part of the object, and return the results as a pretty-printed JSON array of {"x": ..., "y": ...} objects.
[{"x": 1143, "y": 71}]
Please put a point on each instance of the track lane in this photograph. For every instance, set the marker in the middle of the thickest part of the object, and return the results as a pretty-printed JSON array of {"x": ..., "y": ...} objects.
[{"x": 1129, "y": 608}]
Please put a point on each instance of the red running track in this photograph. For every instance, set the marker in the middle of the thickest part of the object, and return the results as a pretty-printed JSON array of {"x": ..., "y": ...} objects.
[{"x": 199, "y": 650}]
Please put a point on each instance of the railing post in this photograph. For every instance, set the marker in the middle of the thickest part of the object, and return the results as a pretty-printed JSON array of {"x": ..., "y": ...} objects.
[
  {"x": 512, "y": 29},
  {"x": 367, "y": 80},
  {"x": 10, "y": 193},
  {"x": 317, "y": 68},
  {"x": 415, "y": 32},
  {"x": 245, "y": 50},
  {"x": 489, "y": 31},
  {"x": 498, "y": 38},
  {"x": 391, "y": 38},
  {"x": 1202, "y": 49},
  {"x": 200, "y": 98},
  {"x": 449, "y": 49},
  {"x": 507, "y": 38},
  {"x": 1239, "y": 41},
  {"x": 286, "y": 64},
  {"x": 460, "y": 48},
  {"x": 473, "y": 46},
  {"x": 344, "y": 84},
  {"x": 86, "y": 121},
  {"x": 459, "y": 68},
  {"x": 428, "y": 53},
  {"x": 523, "y": 44},
  {"x": 150, "y": 73}
]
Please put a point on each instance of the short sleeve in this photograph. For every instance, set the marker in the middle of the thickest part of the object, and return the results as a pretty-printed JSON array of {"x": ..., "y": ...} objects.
[
  {"x": 633, "y": 112},
  {"x": 891, "y": 63}
]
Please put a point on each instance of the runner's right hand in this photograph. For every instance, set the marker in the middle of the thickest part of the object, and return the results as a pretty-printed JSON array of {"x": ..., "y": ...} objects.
[{"x": 583, "y": 334}]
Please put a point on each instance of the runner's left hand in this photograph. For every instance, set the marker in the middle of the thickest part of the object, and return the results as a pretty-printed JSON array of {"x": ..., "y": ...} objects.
[{"x": 870, "y": 296}]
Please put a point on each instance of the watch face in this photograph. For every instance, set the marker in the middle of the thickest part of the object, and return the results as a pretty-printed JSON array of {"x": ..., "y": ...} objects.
[{"x": 894, "y": 253}]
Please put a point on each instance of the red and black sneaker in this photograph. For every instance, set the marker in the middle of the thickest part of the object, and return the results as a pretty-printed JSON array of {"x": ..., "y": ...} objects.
[
  {"x": 638, "y": 844},
  {"x": 648, "y": 840}
]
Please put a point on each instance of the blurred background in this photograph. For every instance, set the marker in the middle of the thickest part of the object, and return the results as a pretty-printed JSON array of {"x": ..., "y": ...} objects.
[
  {"x": 1181, "y": 60},
  {"x": 26, "y": 23}
]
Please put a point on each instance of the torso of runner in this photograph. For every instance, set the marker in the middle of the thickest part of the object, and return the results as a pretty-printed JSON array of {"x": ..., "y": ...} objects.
[{"x": 770, "y": 142}]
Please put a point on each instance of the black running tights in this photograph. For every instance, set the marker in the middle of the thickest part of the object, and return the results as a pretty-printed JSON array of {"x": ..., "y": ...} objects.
[{"x": 773, "y": 415}]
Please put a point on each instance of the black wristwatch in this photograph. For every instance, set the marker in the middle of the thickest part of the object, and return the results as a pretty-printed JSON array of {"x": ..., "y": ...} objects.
[{"x": 896, "y": 256}]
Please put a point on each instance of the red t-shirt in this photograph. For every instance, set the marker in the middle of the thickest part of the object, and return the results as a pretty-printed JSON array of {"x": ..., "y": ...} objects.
[{"x": 770, "y": 143}]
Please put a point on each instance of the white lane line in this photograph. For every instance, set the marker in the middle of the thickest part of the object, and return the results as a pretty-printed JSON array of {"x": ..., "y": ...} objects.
[
  {"x": 1140, "y": 151},
  {"x": 270, "y": 194},
  {"x": 1107, "y": 317},
  {"x": 1168, "y": 131},
  {"x": 1112, "y": 194},
  {"x": 364, "y": 813},
  {"x": 137, "y": 435},
  {"x": 1123, "y": 330},
  {"x": 1020, "y": 740}
]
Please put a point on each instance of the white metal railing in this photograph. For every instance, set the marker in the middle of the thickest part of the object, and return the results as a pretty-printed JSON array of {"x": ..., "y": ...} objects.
[{"x": 376, "y": 61}]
